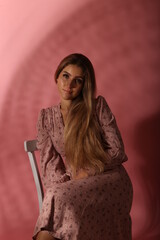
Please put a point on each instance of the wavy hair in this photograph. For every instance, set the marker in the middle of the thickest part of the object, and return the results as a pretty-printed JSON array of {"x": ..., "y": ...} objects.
[{"x": 83, "y": 142}]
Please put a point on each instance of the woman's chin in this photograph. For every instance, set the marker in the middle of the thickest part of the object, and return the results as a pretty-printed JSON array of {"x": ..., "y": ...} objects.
[{"x": 67, "y": 97}]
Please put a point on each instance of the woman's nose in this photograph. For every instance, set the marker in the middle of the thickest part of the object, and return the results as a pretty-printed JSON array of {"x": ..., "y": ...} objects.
[{"x": 70, "y": 83}]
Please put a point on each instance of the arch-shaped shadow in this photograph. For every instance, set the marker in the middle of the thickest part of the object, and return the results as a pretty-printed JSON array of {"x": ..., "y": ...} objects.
[
  {"x": 146, "y": 141},
  {"x": 112, "y": 35}
]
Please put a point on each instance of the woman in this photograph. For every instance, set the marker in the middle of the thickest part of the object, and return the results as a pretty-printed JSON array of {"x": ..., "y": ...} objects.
[{"x": 88, "y": 194}]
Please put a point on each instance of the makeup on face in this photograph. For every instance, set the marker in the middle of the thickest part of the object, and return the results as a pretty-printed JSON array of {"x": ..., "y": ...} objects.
[{"x": 70, "y": 82}]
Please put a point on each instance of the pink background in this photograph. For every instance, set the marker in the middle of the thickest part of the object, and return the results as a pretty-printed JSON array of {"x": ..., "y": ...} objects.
[{"x": 122, "y": 40}]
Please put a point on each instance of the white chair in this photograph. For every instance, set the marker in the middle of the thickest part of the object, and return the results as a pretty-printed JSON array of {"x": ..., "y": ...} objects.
[{"x": 30, "y": 147}]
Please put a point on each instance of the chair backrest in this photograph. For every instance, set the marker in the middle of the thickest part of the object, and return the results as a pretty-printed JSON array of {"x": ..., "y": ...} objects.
[{"x": 30, "y": 147}]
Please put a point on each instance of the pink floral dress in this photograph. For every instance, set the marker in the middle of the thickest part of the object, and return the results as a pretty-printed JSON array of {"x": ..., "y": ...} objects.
[{"x": 93, "y": 208}]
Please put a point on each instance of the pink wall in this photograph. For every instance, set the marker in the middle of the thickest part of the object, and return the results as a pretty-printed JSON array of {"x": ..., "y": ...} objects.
[{"x": 122, "y": 40}]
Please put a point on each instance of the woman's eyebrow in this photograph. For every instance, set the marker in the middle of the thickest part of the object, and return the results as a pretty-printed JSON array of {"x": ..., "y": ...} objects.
[
  {"x": 67, "y": 73},
  {"x": 71, "y": 75}
]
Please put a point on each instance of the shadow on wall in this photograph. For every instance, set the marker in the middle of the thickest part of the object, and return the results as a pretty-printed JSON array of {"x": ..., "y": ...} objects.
[
  {"x": 112, "y": 30},
  {"x": 147, "y": 138}
]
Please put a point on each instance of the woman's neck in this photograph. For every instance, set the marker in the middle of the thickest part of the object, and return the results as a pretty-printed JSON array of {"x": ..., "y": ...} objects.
[{"x": 65, "y": 105}]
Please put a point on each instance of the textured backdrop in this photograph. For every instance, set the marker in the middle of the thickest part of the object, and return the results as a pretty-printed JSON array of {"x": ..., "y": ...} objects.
[{"x": 122, "y": 40}]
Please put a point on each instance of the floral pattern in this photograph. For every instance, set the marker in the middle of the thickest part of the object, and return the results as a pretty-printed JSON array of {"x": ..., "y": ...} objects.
[{"x": 93, "y": 208}]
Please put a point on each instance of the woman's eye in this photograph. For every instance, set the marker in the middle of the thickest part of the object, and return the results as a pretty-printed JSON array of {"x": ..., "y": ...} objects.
[
  {"x": 79, "y": 80},
  {"x": 65, "y": 75}
]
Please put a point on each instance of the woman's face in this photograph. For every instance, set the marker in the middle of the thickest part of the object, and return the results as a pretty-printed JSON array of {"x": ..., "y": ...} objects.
[{"x": 70, "y": 82}]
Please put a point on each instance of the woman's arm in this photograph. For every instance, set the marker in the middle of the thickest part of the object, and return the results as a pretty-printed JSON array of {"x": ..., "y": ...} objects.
[
  {"x": 51, "y": 163},
  {"x": 110, "y": 134}
]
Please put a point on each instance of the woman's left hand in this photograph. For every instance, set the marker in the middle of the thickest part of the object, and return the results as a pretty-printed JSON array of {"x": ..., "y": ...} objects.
[{"x": 81, "y": 174}]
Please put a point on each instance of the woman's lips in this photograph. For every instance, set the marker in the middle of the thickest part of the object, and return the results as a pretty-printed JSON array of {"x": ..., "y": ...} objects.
[{"x": 67, "y": 91}]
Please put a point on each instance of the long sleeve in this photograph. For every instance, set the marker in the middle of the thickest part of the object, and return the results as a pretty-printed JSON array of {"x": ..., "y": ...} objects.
[
  {"x": 110, "y": 134},
  {"x": 51, "y": 163}
]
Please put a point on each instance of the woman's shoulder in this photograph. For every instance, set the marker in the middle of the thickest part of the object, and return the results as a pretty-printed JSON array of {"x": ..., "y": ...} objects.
[
  {"x": 102, "y": 108},
  {"x": 49, "y": 110},
  {"x": 46, "y": 115},
  {"x": 101, "y": 101}
]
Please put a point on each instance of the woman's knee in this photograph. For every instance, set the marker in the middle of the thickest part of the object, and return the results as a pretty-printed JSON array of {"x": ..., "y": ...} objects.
[{"x": 44, "y": 235}]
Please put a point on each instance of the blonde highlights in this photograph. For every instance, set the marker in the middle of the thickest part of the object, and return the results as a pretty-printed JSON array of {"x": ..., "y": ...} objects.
[{"x": 83, "y": 142}]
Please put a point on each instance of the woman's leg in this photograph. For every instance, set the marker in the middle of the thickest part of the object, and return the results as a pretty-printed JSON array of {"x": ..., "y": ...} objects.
[{"x": 44, "y": 235}]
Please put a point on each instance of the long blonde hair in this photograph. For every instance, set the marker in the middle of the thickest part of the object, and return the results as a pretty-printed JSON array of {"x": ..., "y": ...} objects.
[{"x": 82, "y": 138}]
